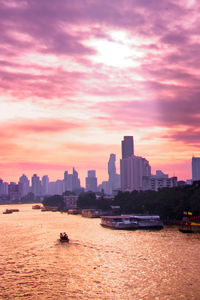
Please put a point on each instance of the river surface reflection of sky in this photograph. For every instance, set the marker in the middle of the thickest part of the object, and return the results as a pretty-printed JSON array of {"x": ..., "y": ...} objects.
[{"x": 98, "y": 263}]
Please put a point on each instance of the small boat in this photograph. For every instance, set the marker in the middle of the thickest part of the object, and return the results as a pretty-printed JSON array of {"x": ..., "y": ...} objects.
[
  {"x": 74, "y": 211},
  {"x": 37, "y": 206},
  {"x": 8, "y": 211},
  {"x": 64, "y": 238}
]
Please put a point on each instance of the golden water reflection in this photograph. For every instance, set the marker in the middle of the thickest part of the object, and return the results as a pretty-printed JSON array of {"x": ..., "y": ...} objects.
[{"x": 98, "y": 263}]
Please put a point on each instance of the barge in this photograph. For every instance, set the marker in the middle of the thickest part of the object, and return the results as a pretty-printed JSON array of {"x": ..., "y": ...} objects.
[{"x": 132, "y": 222}]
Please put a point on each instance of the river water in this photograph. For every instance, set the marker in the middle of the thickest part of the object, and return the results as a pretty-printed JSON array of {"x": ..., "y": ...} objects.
[{"x": 98, "y": 263}]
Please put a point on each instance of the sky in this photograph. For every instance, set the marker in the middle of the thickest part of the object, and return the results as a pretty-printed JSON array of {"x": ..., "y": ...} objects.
[{"x": 77, "y": 76}]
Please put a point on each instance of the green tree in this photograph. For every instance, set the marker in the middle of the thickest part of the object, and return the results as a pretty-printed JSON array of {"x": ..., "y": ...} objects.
[
  {"x": 55, "y": 201},
  {"x": 87, "y": 200}
]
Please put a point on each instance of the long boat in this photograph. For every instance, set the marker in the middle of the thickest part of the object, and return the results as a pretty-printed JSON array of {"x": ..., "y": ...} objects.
[
  {"x": 132, "y": 222},
  {"x": 10, "y": 211}
]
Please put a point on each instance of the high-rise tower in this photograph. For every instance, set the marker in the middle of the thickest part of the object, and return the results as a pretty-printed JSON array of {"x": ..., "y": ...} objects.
[
  {"x": 195, "y": 168},
  {"x": 127, "y": 147}
]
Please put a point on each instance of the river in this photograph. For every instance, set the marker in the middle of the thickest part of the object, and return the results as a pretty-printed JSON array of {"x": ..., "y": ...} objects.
[{"x": 98, "y": 263}]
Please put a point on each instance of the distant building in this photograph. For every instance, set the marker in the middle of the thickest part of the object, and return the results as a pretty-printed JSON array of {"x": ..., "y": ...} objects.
[
  {"x": 36, "y": 187},
  {"x": 71, "y": 201},
  {"x": 195, "y": 168},
  {"x": 91, "y": 181},
  {"x": 45, "y": 185},
  {"x": 127, "y": 147},
  {"x": 105, "y": 187},
  {"x": 71, "y": 182},
  {"x": 1, "y": 187},
  {"x": 156, "y": 183},
  {"x": 56, "y": 187},
  {"x": 15, "y": 191},
  {"x": 132, "y": 168},
  {"x": 159, "y": 174},
  {"x": 75, "y": 181},
  {"x": 132, "y": 171},
  {"x": 24, "y": 181},
  {"x": 113, "y": 177}
]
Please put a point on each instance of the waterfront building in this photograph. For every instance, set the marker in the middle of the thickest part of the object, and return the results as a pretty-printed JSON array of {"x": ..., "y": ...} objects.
[
  {"x": 195, "y": 168},
  {"x": 91, "y": 181},
  {"x": 154, "y": 183},
  {"x": 15, "y": 191},
  {"x": 71, "y": 201},
  {"x": 24, "y": 181}
]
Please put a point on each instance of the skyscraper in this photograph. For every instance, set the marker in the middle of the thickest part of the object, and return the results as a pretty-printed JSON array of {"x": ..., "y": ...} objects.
[
  {"x": 36, "y": 185},
  {"x": 91, "y": 181},
  {"x": 25, "y": 184},
  {"x": 45, "y": 185},
  {"x": 75, "y": 181},
  {"x": 71, "y": 181},
  {"x": 132, "y": 168},
  {"x": 132, "y": 171},
  {"x": 195, "y": 168},
  {"x": 113, "y": 177},
  {"x": 127, "y": 147}
]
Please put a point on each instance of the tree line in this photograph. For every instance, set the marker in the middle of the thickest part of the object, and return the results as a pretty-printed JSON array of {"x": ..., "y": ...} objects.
[{"x": 168, "y": 203}]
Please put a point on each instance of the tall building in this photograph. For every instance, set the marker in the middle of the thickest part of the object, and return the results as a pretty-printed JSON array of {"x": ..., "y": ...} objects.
[
  {"x": 25, "y": 184},
  {"x": 132, "y": 171},
  {"x": 45, "y": 185},
  {"x": 91, "y": 181},
  {"x": 195, "y": 168},
  {"x": 112, "y": 171},
  {"x": 132, "y": 168},
  {"x": 1, "y": 187},
  {"x": 113, "y": 177},
  {"x": 15, "y": 191},
  {"x": 71, "y": 182},
  {"x": 127, "y": 147},
  {"x": 75, "y": 180},
  {"x": 36, "y": 185}
]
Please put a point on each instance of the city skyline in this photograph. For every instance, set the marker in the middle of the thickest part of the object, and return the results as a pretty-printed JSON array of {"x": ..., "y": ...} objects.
[{"x": 78, "y": 76}]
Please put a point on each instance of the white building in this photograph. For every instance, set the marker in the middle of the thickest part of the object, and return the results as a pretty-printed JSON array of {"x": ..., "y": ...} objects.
[{"x": 158, "y": 181}]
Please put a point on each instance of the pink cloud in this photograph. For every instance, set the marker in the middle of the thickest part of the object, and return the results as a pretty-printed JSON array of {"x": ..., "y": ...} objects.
[{"x": 15, "y": 128}]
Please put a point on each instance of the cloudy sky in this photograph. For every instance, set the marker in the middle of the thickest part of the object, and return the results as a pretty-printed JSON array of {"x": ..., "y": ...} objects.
[{"x": 76, "y": 76}]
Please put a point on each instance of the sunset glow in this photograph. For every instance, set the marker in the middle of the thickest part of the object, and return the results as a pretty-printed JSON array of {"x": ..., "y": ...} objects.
[{"x": 78, "y": 76}]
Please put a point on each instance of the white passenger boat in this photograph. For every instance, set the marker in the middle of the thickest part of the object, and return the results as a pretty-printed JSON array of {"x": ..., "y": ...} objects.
[{"x": 131, "y": 222}]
